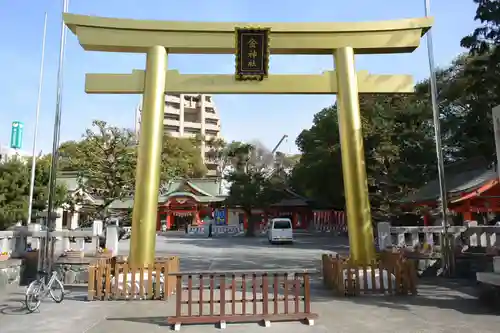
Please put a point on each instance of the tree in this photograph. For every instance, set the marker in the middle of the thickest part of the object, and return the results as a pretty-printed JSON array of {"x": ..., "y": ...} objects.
[
  {"x": 485, "y": 38},
  {"x": 15, "y": 187},
  {"x": 14, "y": 184},
  {"x": 41, "y": 190},
  {"x": 226, "y": 155},
  {"x": 71, "y": 155},
  {"x": 318, "y": 174},
  {"x": 217, "y": 151},
  {"x": 106, "y": 161},
  {"x": 250, "y": 184},
  {"x": 181, "y": 157},
  {"x": 398, "y": 130},
  {"x": 398, "y": 141},
  {"x": 479, "y": 84}
]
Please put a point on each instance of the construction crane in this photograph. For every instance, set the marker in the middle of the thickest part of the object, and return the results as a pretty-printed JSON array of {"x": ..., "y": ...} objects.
[
  {"x": 273, "y": 170},
  {"x": 279, "y": 143}
]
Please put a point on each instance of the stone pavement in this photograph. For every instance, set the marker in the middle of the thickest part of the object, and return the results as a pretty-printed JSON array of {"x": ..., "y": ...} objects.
[{"x": 440, "y": 307}]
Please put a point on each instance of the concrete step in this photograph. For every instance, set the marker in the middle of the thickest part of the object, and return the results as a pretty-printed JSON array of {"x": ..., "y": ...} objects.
[{"x": 491, "y": 278}]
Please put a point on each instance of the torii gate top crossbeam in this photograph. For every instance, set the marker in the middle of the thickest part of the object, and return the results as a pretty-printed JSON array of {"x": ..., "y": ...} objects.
[{"x": 135, "y": 36}]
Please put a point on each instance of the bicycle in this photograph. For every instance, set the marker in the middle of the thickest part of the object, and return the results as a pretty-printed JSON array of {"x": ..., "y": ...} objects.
[{"x": 38, "y": 290}]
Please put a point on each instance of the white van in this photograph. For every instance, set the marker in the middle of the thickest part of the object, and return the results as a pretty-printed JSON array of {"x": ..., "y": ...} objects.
[{"x": 280, "y": 231}]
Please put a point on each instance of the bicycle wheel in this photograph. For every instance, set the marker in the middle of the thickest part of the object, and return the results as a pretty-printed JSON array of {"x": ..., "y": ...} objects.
[
  {"x": 33, "y": 295},
  {"x": 56, "y": 284}
]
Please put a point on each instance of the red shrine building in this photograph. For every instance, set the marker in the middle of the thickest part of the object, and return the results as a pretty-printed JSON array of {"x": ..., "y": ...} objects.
[
  {"x": 188, "y": 202},
  {"x": 473, "y": 192},
  {"x": 191, "y": 202}
]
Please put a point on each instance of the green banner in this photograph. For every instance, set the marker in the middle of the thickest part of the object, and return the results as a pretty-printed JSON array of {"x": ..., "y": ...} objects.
[{"x": 16, "y": 136}]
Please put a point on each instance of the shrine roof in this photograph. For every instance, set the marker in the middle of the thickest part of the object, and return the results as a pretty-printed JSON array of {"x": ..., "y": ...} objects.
[
  {"x": 203, "y": 190},
  {"x": 203, "y": 186},
  {"x": 296, "y": 202},
  {"x": 291, "y": 199},
  {"x": 461, "y": 178},
  {"x": 198, "y": 198},
  {"x": 69, "y": 179}
]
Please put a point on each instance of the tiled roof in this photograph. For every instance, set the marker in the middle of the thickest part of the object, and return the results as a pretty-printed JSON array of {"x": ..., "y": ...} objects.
[
  {"x": 207, "y": 189},
  {"x": 206, "y": 186},
  {"x": 464, "y": 178},
  {"x": 295, "y": 202}
]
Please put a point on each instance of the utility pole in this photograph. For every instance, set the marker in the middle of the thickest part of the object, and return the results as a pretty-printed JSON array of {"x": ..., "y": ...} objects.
[{"x": 446, "y": 246}]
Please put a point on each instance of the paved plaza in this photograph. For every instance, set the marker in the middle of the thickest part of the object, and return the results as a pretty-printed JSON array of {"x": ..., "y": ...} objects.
[{"x": 440, "y": 307}]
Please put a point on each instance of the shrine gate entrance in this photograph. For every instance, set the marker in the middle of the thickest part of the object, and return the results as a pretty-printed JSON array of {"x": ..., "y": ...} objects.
[{"x": 252, "y": 47}]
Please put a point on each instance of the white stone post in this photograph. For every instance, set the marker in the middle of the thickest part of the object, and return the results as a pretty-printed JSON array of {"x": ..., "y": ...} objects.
[
  {"x": 66, "y": 245},
  {"x": 384, "y": 235},
  {"x": 59, "y": 220},
  {"x": 35, "y": 241},
  {"x": 74, "y": 220},
  {"x": 97, "y": 230},
  {"x": 80, "y": 244},
  {"x": 4, "y": 243},
  {"x": 112, "y": 241}
]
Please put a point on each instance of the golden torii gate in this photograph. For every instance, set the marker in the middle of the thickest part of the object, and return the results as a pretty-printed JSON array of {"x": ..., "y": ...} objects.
[{"x": 157, "y": 38}]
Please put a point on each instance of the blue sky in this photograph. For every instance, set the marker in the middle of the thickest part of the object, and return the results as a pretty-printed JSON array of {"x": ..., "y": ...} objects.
[{"x": 244, "y": 117}]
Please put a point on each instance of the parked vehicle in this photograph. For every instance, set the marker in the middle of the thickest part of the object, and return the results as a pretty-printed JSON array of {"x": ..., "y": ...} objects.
[{"x": 280, "y": 230}]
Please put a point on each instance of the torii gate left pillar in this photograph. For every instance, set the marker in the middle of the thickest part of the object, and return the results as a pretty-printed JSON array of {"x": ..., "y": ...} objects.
[{"x": 147, "y": 182}]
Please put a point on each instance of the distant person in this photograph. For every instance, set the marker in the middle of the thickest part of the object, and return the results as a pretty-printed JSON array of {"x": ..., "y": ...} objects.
[{"x": 210, "y": 226}]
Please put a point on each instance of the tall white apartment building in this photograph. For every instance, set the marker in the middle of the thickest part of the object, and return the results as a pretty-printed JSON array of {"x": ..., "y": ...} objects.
[{"x": 188, "y": 115}]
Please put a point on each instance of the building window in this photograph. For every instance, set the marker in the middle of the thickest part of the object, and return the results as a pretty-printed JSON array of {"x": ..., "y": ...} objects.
[
  {"x": 211, "y": 132},
  {"x": 191, "y": 117},
  {"x": 209, "y": 109},
  {"x": 211, "y": 121},
  {"x": 208, "y": 98},
  {"x": 173, "y": 105},
  {"x": 170, "y": 128},
  {"x": 171, "y": 116},
  {"x": 192, "y": 130}
]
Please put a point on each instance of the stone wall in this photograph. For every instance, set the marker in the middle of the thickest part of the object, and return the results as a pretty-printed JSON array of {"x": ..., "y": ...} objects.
[
  {"x": 73, "y": 271},
  {"x": 10, "y": 273}
]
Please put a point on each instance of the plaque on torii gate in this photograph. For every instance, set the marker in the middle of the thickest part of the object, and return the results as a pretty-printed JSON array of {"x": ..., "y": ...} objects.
[
  {"x": 157, "y": 38},
  {"x": 252, "y": 54}
]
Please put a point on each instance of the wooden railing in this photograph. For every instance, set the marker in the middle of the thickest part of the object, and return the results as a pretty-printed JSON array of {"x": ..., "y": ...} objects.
[
  {"x": 390, "y": 274},
  {"x": 242, "y": 296},
  {"x": 122, "y": 281}
]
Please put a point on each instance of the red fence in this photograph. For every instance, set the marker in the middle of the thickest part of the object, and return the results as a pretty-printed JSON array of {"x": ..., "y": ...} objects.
[{"x": 329, "y": 220}]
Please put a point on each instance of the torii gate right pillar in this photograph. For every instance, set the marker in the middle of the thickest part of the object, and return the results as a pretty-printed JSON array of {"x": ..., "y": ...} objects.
[{"x": 359, "y": 220}]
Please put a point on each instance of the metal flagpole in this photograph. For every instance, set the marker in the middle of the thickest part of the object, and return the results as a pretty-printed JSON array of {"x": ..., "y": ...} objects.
[
  {"x": 439, "y": 149},
  {"x": 137, "y": 116},
  {"x": 35, "y": 134},
  {"x": 55, "y": 144}
]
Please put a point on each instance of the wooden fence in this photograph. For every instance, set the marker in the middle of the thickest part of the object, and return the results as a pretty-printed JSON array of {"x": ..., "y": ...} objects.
[
  {"x": 391, "y": 274},
  {"x": 119, "y": 280},
  {"x": 242, "y": 296}
]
